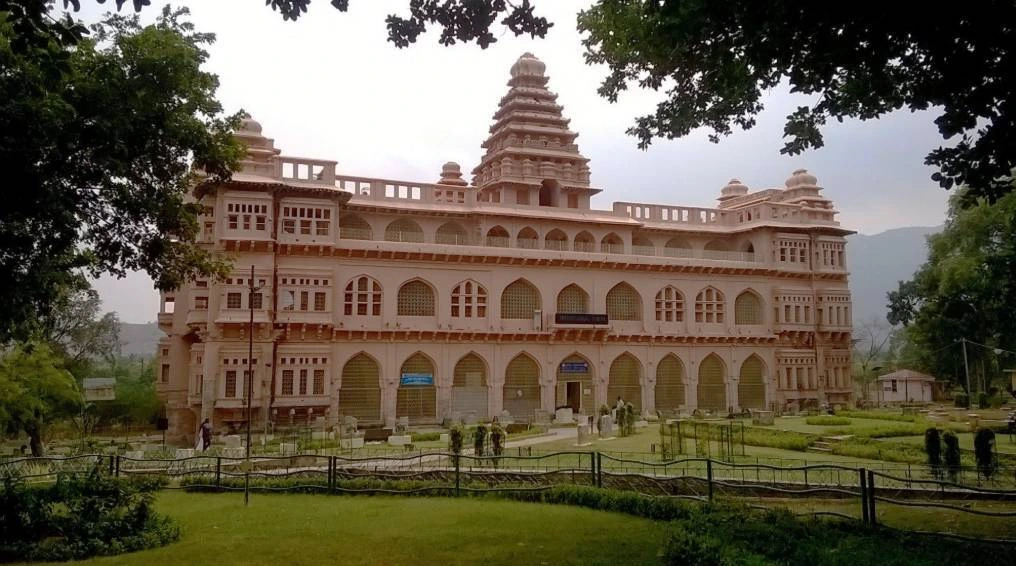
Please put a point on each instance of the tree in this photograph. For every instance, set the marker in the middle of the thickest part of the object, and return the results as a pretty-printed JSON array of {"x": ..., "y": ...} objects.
[
  {"x": 984, "y": 452},
  {"x": 35, "y": 390},
  {"x": 869, "y": 349},
  {"x": 952, "y": 454},
  {"x": 100, "y": 139},
  {"x": 715, "y": 59},
  {"x": 964, "y": 290},
  {"x": 933, "y": 448},
  {"x": 77, "y": 331}
]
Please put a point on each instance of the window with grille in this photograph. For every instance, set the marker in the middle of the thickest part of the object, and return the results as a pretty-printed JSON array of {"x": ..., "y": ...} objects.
[
  {"x": 669, "y": 305},
  {"x": 363, "y": 297},
  {"x": 670, "y": 383},
  {"x": 320, "y": 300},
  {"x": 751, "y": 390},
  {"x": 624, "y": 303},
  {"x": 255, "y": 300},
  {"x": 418, "y": 402},
  {"x": 521, "y": 391},
  {"x": 624, "y": 381},
  {"x": 709, "y": 306},
  {"x": 747, "y": 309},
  {"x": 469, "y": 299},
  {"x": 231, "y": 384},
  {"x": 451, "y": 233},
  {"x": 403, "y": 230},
  {"x": 287, "y": 382},
  {"x": 416, "y": 298},
  {"x": 201, "y": 303},
  {"x": 319, "y": 382},
  {"x": 246, "y": 215},
  {"x": 712, "y": 392},
  {"x": 352, "y": 227},
  {"x": 310, "y": 220},
  {"x": 573, "y": 300},
  {"x": 519, "y": 300},
  {"x": 233, "y": 300},
  {"x": 360, "y": 391},
  {"x": 303, "y": 382}
]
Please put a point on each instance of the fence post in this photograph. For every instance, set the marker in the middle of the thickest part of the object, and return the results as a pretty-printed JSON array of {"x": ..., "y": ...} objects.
[
  {"x": 331, "y": 474},
  {"x": 218, "y": 473},
  {"x": 117, "y": 458},
  {"x": 599, "y": 470},
  {"x": 864, "y": 495},
  {"x": 458, "y": 485},
  {"x": 806, "y": 476},
  {"x": 872, "y": 517},
  {"x": 112, "y": 464},
  {"x": 709, "y": 477},
  {"x": 592, "y": 469}
]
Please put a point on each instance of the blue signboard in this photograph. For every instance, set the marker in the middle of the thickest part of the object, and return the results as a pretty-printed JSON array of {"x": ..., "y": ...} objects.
[
  {"x": 417, "y": 379},
  {"x": 574, "y": 367}
]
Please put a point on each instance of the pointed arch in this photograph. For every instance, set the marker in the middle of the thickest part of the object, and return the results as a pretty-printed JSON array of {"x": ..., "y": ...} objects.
[
  {"x": 528, "y": 239},
  {"x": 712, "y": 389},
  {"x": 642, "y": 245},
  {"x": 469, "y": 386},
  {"x": 717, "y": 246},
  {"x": 497, "y": 237},
  {"x": 670, "y": 383},
  {"x": 362, "y": 297},
  {"x": 519, "y": 300},
  {"x": 469, "y": 300},
  {"x": 584, "y": 242},
  {"x": 751, "y": 388},
  {"x": 573, "y": 300},
  {"x": 417, "y": 402},
  {"x": 555, "y": 240},
  {"x": 451, "y": 233},
  {"x": 612, "y": 244},
  {"x": 576, "y": 368},
  {"x": 669, "y": 305},
  {"x": 403, "y": 230},
  {"x": 677, "y": 247},
  {"x": 710, "y": 306},
  {"x": 625, "y": 381},
  {"x": 353, "y": 227},
  {"x": 360, "y": 389},
  {"x": 416, "y": 298},
  {"x": 748, "y": 308},
  {"x": 624, "y": 303},
  {"x": 521, "y": 391}
]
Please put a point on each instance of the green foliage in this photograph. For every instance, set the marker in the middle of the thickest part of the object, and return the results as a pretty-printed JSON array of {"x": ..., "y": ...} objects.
[
  {"x": 100, "y": 136},
  {"x": 753, "y": 436},
  {"x": 80, "y": 516},
  {"x": 871, "y": 449},
  {"x": 456, "y": 437},
  {"x": 35, "y": 391},
  {"x": 877, "y": 415},
  {"x": 826, "y": 420},
  {"x": 604, "y": 410},
  {"x": 933, "y": 448},
  {"x": 984, "y": 452},
  {"x": 497, "y": 438},
  {"x": 961, "y": 400},
  {"x": 479, "y": 439},
  {"x": 862, "y": 62},
  {"x": 982, "y": 400},
  {"x": 425, "y": 436},
  {"x": 952, "y": 454}
]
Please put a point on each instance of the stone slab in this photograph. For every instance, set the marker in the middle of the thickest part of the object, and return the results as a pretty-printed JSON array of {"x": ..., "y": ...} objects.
[
  {"x": 399, "y": 440},
  {"x": 564, "y": 416},
  {"x": 287, "y": 448}
]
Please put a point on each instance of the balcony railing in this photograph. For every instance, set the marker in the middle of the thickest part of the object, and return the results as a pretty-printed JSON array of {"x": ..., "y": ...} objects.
[
  {"x": 414, "y": 237},
  {"x": 612, "y": 248},
  {"x": 556, "y": 245},
  {"x": 528, "y": 243},
  {"x": 588, "y": 247},
  {"x": 643, "y": 250},
  {"x": 356, "y": 234},
  {"x": 452, "y": 239},
  {"x": 728, "y": 256},
  {"x": 497, "y": 241}
]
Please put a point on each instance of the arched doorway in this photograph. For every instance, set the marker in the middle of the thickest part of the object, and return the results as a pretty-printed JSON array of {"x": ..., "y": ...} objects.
[
  {"x": 548, "y": 192},
  {"x": 521, "y": 391},
  {"x": 469, "y": 387},
  {"x": 625, "y": 381},
  {"x": 417, "y": 399},
  {"x": 669, "y": 384},
  {"x": 360, "y": 391},
  {"x": 751, "y": 389},
  {"x": 575, "y": 386},
  {"x": 712, "y": 391}
]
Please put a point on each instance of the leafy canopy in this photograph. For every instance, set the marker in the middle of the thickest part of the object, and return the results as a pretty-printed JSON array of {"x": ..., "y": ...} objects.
[
  {"x": 35, "y": 390},
  {"x": 97, "y": 142}
]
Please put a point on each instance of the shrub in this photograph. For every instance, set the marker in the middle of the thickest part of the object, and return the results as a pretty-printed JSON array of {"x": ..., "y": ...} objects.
[
  {"x": 871, "y": 449},
  {"x": 961, "y": 400},
  {"x": 497, "y": 438},
  {"x": 984, "y": 452},
  {"x": 952, "y": 454},
  {"x": 878, "y": 415},
  {"x": 456, "y": 437},
  {"x": 479, "y": 439},
  {"x": 425, "y": 436},
  {"x": 827, "y": 421},
  {"x": 982, "y": 400},
  {"x": 933, "y": 448}
]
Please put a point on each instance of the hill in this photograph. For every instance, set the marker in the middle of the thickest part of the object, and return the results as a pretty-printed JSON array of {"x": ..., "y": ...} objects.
[
  {"x": 139, "y": 339},
  {"x": 878, "y": 262}
]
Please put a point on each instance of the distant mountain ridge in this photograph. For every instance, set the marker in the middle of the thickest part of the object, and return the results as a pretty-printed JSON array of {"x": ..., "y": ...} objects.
[
  {"x": 878, "y": 262},
  {"x": 139, "y": 339}
]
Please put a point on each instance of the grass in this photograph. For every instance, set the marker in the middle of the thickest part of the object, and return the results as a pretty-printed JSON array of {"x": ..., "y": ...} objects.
[
  {"x": 309, "y": 529},
  {"x": 826, "y": 420}
]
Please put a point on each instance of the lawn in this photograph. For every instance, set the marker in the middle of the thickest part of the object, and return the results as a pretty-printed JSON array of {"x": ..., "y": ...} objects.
[
  {"x": 309, "y": 529},
  {"x": 1003, "y": 443}
]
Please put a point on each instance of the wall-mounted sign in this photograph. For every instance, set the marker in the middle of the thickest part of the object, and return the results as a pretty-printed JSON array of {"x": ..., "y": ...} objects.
[
  {"x": 574, "y": 367},
  {"x": 575, "y": 318},
  {"x": 417, "y": 379}
]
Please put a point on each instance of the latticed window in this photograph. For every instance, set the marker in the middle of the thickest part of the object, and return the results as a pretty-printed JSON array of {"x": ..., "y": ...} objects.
[
  {"x": 556, "y": 240},
  {"x": 521, "y": 389},
  {"x": 363, "y": 297},
  {"x": 469, "y": 386},
  {"x": 451, "y": 233},
  {"x": 624, "y": 381},
  {"x": 669, "y": 305},
  {"x": 751, "y": 390},
  {"x": 360, "y": 392},
  {"x": 255, "y": 300},
  {"x": 352, "y": 227},
  {"x": 747, "y": 309},
  {"x": 573, "y": 300},
  {"x": 319, "y": 382},
  {"x": 712, "y": 392},
  {"x": 709, "y": 306},
  {"x": 320, "y": 300},
  {"x": 403, "y": 230},
  {"x": 416, "y": 298},
  {"x": 669, "y": 383},
  {"x": 624, "y": 303},
  {"x": 287, "y": 382},
  {"x": 303, "y": 382},
  {"x": 519, "y": 300},
  {"x": 469, "y": 299},
  {"x": 230, "y": 383},
  {"x": 233, "y": 300},
  {"x": 418, "y": 402}
]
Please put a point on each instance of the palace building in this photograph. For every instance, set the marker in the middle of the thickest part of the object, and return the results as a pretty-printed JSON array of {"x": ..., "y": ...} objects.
[{"x": 381, "y": 299}]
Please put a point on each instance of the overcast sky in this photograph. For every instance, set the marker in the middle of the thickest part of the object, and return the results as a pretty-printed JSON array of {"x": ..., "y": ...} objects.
[{"x": 330, "y": 86}]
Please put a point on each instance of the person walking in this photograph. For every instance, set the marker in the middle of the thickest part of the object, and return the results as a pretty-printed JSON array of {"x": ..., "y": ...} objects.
[{"x": 205, "y": 435}]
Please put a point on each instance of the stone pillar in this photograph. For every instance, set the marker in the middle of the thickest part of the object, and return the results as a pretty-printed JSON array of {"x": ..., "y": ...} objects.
[{"x": 209, "y": 387}]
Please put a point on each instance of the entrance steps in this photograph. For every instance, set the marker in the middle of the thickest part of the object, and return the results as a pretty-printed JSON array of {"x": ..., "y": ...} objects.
[{"x": 824, "y": 445}]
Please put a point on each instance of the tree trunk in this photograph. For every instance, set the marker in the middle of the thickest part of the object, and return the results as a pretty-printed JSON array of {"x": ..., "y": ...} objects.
[{"x": 35, "y": 441}]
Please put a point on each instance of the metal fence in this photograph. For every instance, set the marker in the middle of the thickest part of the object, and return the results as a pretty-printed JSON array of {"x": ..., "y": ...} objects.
[{"x": 867, "y": 495}]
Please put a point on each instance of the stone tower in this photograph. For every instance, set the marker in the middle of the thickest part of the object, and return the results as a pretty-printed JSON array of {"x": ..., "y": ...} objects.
[{"x": 531, "y": 157}]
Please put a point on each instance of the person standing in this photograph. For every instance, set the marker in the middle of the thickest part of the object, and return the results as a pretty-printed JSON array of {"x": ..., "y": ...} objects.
[{"x": 205, "y": 435}]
